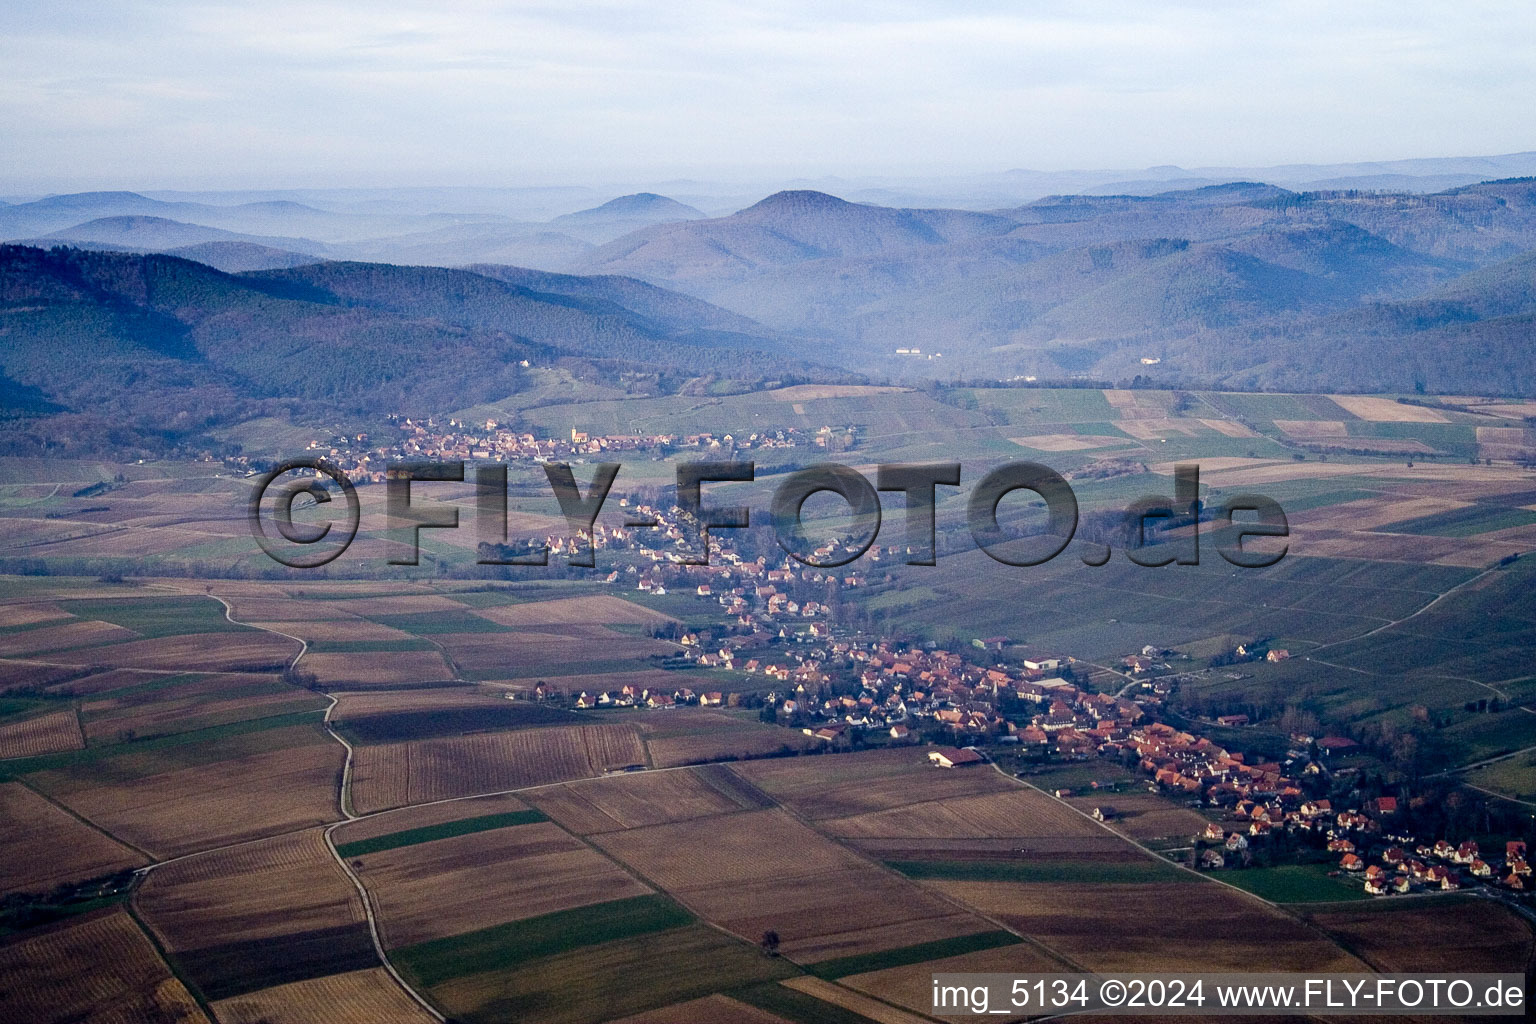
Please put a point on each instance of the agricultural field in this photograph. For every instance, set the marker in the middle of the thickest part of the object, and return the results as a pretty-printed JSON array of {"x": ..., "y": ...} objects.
[
  {"x": 189, "y": 791},
  {"x": 47, "y": 733},
  {"x": 1426, "y": 935},
  {"x": 1179, "y": 927},
  {"x": 46, "y": 846},
  {"x": 647, "y": 798},
  {"x": 697, "y": 736},
  {"x": 356, "y": 997},
  {"x": 92, "y": 970},
  {"x": 258, "y": 915},
  {"x": 595, "y": 982},
  {"x": 394, "y": 774},
  {"x": 761, "y": 870},
  {"x": 466, "y": 883}
]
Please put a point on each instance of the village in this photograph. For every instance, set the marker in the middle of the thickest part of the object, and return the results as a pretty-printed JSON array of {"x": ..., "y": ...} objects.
[
  {"x": 845, "y": 689},
  {"x": 366, "y": 459}
]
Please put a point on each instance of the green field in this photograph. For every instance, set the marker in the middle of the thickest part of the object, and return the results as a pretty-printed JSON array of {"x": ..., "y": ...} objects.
[
  {"x": 446, "y": 830},
  {"x": 506, "y": 945},
  {"x": 1294, "y": 883},
  {"x": 158, "y": 616}
]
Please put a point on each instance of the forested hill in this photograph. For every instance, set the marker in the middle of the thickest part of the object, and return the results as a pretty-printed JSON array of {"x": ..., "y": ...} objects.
[{"x": 125, "y": 352}]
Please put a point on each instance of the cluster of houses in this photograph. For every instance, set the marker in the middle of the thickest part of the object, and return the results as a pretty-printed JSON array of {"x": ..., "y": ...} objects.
[
  {"x": 1444, "y": 866},
  {"x": 635, "y": 696},
  {"x": 364, "y": 460}
]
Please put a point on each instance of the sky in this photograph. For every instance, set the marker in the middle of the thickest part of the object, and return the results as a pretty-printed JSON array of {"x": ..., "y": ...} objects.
[{"x": 172, "y": 94}]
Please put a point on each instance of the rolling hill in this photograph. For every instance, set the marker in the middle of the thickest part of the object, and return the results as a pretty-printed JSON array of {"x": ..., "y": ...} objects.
[{"x": 141, "y": 352}]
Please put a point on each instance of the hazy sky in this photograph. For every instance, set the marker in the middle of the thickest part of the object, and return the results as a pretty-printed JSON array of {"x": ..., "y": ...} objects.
[{"x": 278, "y": 93}]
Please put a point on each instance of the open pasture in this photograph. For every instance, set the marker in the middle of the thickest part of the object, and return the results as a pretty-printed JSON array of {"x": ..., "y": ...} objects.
[
  {"x": 258, "y": 915},
  {"x": 368, "y": 996},
  {"x": 46, "y": 846},
  {"x": 470, "y": 882},
  {"x": 393, "y": 774},
  {"x": 1175, "y": 927},
  {"x": 99, "y": 969}
]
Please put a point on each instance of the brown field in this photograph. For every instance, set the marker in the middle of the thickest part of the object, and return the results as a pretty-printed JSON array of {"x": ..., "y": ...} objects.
[
  {"x": 82, "y": 682},
  {"x": 421, "y": 771},
  {"x": 1144, "y": 815},
  {"x": 644, "y": 798},
  {"x": 599, "y": 610},
  {"x": 405, "y": 604},
  {"x": 269, "y": 606},
  {"x": 695, "y": 737},
  {"x": 709, "y": 1010},
  {"x": 360, "y": 703},
  {"x": 464, "y": 883},
  {"x": 356, "y": 997},
  {"x": 860, "y": 1004},
  {"x": 1385, "y": 410},
  {"x": 277, "y": 887},
  {"x": 91, "y": 970},
  {"x": 26, "y": 614},
  {"x": 1372, "y": 513},
  {"x": 194, "y": 652},
  {"x": 1433, "y": 935},
  {"x": 848, "y": 785},
  {"x": 1313, "y": 428},
  {"x": 1149, "y": 428},
  {"x": 1374, "y": 445},
  {"x": 1017, "y": 812},
  {"x": 336, "y": 629},
  {"x": 1067, "y": 442},
  {"x": 811, "y": 392},
  {"x": 1231, "y": 428},
  {"x": 66, "y": 635},
  {"x": 44, "y": 734},
  {"x": 557, "y": 649},
  {"x": 1167, "y": 927},
  {"x": 763, "y": 869},
  {"x": 420, "y": 817},
  {"x": 186, "y": 809},
  {"x": 912, "y": 986},
  {"x": 378, "y": 668},
  {"x": 45, "y": 845},
  {"x": 211, "y": 699},
  {"x": 19, "y": 674}
]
